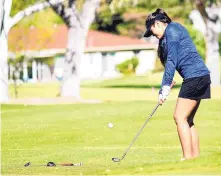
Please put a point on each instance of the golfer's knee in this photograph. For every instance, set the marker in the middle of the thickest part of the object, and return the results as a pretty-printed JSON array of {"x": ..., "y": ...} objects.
[{"x": 179, "y": 119}]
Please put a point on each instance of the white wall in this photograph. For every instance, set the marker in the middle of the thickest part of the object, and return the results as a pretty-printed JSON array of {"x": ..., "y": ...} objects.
[
  {"x": 91, "y": 66},
  {"x": 147, "y": 59},
  {"x": 58, "y": 67},
  {"x": 46, "y": 73},
  {"x": 96, "y": 65},
  {"x": 109, "y": 66},
  {"x": 122, "y": 56}
]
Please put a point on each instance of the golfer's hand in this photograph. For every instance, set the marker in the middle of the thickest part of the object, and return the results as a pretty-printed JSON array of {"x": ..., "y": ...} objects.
[
  {"x": 164, "y": 92},
  {"x": 161, "y": 99}
]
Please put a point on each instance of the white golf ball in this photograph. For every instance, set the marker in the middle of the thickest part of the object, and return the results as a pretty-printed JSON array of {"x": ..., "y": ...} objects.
[{"x": 110, "y": 125}]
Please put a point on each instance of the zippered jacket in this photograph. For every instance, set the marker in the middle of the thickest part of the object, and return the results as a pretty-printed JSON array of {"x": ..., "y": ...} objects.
[{"x": 180, "y": 54}]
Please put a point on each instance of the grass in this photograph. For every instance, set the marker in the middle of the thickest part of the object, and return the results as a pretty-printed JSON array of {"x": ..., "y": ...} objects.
[
  {"x": 80, "y": 133},
  {"x": 120, "y": 89}
]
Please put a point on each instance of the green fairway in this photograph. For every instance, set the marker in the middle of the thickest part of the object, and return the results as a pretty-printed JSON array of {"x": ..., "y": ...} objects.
[{"x": 80, "y": 133}]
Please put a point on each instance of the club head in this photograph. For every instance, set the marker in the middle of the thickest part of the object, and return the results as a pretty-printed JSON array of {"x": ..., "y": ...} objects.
[
  {"x": 27, "y": 164},
  {"x": 116, "y": 159},
  {"x": 51, "y": 164}
]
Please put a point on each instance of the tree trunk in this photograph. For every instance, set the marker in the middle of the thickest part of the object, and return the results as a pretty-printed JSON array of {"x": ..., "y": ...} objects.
[
  {"x": 71, "y": 79},
  {"x": 78, "y": 24},
  {"x": 211, "y": 30},
  {"x": 1, "y": 13},
  {"x": 3, "y": 66},
  {"x": 212, "y": 54},
  {"x": 6, "y": 22},
  {"x": 5, "y": 10}
]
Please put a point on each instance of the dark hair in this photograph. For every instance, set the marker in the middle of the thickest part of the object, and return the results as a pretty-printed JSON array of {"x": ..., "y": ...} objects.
[
  {"x": 161, "y": 15},
  {"x": 161, "y": 54},
  {"x": 158, "y": 15}
]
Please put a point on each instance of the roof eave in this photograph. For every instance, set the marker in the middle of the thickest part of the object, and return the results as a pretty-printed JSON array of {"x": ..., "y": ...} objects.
[{"x": 52, "y": 52}]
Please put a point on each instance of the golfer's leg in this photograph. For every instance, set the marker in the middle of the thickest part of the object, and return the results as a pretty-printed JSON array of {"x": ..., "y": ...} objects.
[
  {"x": 195, "y": 142},
  {"x": 183, "y": 109},
  {"x": 195, "y": 137}
]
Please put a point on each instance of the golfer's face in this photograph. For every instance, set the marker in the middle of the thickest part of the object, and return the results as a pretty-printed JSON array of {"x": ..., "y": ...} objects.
[{"x": 157, "y": 30}]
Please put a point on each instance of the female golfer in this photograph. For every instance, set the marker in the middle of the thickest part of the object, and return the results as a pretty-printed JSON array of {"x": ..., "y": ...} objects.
[{"x": 177, "y": 52}]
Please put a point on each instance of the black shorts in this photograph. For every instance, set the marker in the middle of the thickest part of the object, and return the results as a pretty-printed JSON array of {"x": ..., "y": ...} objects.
[{"x": 196, "y": 88}]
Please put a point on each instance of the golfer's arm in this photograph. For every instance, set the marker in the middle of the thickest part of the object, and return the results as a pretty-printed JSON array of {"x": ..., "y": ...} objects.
[{"x": 171, "y": 63}]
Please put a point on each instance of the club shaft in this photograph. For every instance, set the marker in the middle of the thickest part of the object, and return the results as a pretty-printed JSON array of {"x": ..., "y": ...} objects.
[{"x": 135, "y": 138}]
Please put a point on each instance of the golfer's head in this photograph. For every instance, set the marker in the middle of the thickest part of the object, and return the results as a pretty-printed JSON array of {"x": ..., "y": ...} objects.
[{"x": 156, "y": 23}]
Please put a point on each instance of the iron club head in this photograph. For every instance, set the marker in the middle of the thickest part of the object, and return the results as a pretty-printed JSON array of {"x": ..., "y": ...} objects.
[
  {"x": 49, "y": 164},
  {"x": 27, "y": 164},
  {"x": 116, "y": 159}
]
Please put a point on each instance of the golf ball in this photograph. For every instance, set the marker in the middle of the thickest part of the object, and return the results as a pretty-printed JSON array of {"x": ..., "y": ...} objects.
[{"x": 110, "y": 125}]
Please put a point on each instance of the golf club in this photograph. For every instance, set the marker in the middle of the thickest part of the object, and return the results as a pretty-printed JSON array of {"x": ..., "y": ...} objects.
[
  {"x": 125, "y": 153},
  {"x": 52, "y": 164}
]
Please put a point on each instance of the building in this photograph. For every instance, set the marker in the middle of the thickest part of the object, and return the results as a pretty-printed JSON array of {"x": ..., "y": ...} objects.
[{"x": 102, "y": 53}]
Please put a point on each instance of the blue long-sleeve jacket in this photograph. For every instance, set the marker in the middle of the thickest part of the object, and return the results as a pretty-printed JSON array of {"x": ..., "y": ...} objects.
[{"x": 181, "y": 54}]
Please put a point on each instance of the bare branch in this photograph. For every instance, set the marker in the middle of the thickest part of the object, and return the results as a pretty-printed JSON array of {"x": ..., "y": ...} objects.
[
  {"x": 88, "y": 12},
  {"x": 32, "y": 9},
  {"x": 71, "y": 16},
  {"x": 57, "y": 7},
  {"x": 6, "y": 16},
  {"x": 1, "y": 14},
  {"x": 109, "y": 1},
  {"x": 66, "y": 13},
  {"x": 71, "y": 3},
  {"x": 200, "y": 4}
]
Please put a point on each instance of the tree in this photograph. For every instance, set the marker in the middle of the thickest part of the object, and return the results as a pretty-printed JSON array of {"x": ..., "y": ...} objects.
[
  {"x": 17, "y": 68},
  {"x": 78, "y": 19},
  {"x": 207, "y": 18},
  {"x": 208, "y": 12},
  {"x": 6, "y": 23},
  {"x": 1, "y": 13}
]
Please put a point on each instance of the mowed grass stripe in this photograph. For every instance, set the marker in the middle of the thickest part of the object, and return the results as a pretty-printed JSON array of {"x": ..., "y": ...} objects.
[{"x": 80, "y": 133}]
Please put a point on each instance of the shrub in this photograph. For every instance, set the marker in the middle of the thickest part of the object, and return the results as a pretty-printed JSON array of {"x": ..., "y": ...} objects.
[{"x": 128, "y": 67}]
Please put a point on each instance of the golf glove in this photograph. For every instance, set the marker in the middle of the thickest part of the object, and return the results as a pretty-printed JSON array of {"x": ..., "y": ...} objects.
[{"x": 164, "y": 92}]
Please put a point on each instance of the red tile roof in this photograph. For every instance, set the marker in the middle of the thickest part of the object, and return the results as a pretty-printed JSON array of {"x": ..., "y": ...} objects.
[{"x": 56, "y": 38}]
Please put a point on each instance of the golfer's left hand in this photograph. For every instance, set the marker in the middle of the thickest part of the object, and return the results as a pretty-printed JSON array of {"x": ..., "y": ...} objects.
[
  {"x": 161, "y": 99},
  {"x": 164, "y": 92}
]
